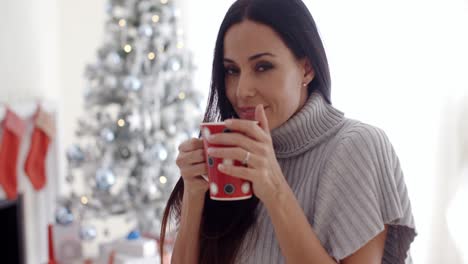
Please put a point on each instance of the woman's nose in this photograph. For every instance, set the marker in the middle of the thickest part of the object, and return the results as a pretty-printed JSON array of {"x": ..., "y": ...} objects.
[{"x": 245, "y": 87}]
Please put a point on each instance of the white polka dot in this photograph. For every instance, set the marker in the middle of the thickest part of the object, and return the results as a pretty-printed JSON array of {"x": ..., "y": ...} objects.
[
  {"x": 206, "y": 132},
  {"x": 228, "y": 162},
  {"x": 213, "y": 188},
  {"x": 245, "y": 187}
]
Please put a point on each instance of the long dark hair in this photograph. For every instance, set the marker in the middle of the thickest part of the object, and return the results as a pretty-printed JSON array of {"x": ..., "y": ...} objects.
[{"x": 225, "y": 224}]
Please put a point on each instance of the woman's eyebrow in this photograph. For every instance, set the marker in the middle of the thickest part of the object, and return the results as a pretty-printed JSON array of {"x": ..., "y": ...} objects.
[{"x": 253, "y": 57}]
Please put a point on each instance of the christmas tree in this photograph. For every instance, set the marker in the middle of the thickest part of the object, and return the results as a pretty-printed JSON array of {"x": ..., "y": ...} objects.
[{"x": 139, "y": 106}]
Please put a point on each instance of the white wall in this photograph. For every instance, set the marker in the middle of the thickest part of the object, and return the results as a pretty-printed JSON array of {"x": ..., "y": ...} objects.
[
  {"x": 29, "y": 71},
  {"x": 28, "y": 50},
  {"x": 81, "y": 33},
  {"x": 398, "y": 67},
  {"x": 43, "y": 48},
  {"x": 201, "y": 32}
]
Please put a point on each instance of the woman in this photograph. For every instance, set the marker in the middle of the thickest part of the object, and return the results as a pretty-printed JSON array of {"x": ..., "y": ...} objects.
[{"x": 326, "y": 188}]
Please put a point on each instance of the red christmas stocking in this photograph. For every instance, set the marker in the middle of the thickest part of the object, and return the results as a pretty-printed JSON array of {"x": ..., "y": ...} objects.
[
  {"x": 35, "y": 166},
  {"x": 13, "y": 129}
]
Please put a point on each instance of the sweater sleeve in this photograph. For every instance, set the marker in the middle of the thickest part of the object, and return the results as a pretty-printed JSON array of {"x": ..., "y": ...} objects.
[{"x": 360, "y": 190}]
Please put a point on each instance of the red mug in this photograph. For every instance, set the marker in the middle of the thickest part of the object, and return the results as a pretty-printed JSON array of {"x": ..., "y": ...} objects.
[{"x": 223, "y": 187}]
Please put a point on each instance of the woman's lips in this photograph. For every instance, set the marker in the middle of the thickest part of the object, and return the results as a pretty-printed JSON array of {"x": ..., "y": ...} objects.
[{"x": 247, "y": 113}]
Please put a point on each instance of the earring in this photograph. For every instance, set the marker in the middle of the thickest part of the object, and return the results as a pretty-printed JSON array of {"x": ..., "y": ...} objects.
[{"x": 304, "y": 84}]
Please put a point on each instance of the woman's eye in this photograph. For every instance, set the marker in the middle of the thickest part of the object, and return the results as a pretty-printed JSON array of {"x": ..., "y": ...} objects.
[
  {"x": 264, "y": 67},
  {"x": 230, "y": 71}
]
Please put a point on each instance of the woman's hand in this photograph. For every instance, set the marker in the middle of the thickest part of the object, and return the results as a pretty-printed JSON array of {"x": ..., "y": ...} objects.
[
  {"x": 191, "y": 163},
  {"x": 262, "y": 167}
]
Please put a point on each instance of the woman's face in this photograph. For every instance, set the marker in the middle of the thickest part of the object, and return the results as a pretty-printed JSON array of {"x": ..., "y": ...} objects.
[{"x": 261, "y": 69}]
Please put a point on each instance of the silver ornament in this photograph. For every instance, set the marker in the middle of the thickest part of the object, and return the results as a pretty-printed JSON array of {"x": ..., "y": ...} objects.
[
  {"x": 124, "y": 152},
  {"x": 145, "y": 30},
  {"x": 162, "y": 153},
  {"x": 88, "y": 233},
  {"x": 114, "y": 61},
  {"x": 119, "y": 12},
  {"x": 75, "y": 154},
  {"x": 173, "y": 63},
  {"x": 156, "y": 152},
  {"x": 134, "y": 121},
  {"x": 151, "y": 191},
  {"x": 132, "y": 83},
  {"x": 105, "y": 178},
  {"x": 110, "y": 81},
  {"x": 63, "y": 216},
  {"x": 107, "y": 135},
  {"x": 147, "y": 122},
  {"x": 171, "y": 129}
]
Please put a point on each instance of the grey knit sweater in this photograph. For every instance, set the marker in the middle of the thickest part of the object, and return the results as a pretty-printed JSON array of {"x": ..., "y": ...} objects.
[{"x": 347, "y": 179}]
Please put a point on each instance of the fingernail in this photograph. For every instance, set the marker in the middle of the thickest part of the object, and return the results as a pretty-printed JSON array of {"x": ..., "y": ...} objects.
[
  {"x": 228, "y": 122},
  {"x": 210, "y": 150},
  {"x": 221, "y": 166},
  {"x": 205, "y": 177}
]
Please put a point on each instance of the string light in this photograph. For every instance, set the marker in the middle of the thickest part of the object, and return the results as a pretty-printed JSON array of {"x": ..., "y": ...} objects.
[
  {"x": 163, "y": 179},
  {"x": 164, "y": 2},
  {"x": 84, "y": 200},
  {"x": 122, "y": 22},
  {"x": 181, "y": 95},
  {"x": 121, "y": 123},
  {"x": 155, "y": 18},
  {"x": 128, "y": 48},
  {"x": 180, "y": 45},
  {"x": 151, "y": 55}
]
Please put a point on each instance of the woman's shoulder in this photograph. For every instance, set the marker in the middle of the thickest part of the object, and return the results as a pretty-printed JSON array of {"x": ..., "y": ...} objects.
[
  {"x": 361, "y": 189},
  {"x": 353, "y": 129},
  {"x": 359, "y": 145},
  {"x": 356, "y": 135}
]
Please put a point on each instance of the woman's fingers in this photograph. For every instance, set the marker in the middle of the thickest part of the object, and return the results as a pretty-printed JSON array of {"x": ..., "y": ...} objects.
[
  {"x": 189, "y": 158},
  {"x": 191, "y": 144},
  {"x": 191, "y": 163},
  {"x": 234, "y": 139},
  {"x": 230, "y": 154},
  {"x": 252, "y": 129},
  {"x": 239, "y": 172},
  {"x": 193, "y": 170},
  {"x": 260, "y": 116}
]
